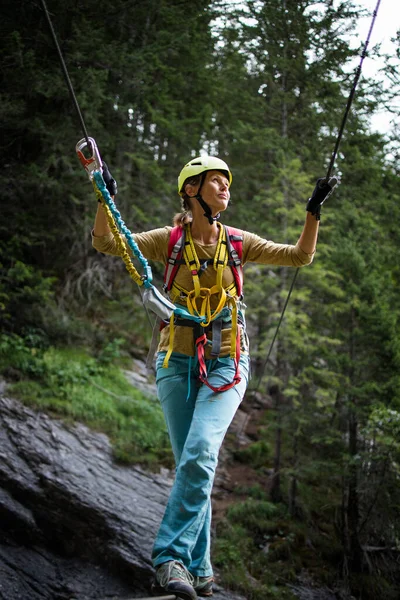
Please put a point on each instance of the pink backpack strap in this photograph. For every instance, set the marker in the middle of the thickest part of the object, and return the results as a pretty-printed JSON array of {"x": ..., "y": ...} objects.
[
  {"x": 175, "y": 250},
  {"x": 234, "y": 238}
]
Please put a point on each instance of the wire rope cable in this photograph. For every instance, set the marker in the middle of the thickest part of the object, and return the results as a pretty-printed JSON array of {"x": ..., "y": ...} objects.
[
  {"x": 65, "y": 71},
  {"x": 352, "y": 93},
  {"x": 328, "y": 174}
]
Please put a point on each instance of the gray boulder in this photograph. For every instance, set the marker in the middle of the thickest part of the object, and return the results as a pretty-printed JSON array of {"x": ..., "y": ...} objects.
[{"x": 74, "y": 525}]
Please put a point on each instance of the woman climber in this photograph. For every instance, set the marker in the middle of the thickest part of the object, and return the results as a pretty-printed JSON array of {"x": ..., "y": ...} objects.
[{"x": 202, "y": 368}]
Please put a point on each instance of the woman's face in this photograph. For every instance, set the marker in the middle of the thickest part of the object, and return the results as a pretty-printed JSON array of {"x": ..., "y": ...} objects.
[{"x": 214, "y": 191}]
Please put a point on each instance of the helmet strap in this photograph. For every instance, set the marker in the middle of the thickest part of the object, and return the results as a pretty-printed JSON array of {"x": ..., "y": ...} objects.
[
  {"x": 207, "y": 210},
  {"x": 204, "y": 205}
]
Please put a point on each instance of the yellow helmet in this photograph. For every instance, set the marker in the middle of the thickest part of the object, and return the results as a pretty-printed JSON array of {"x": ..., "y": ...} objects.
[{"x": 200, "y": 165}]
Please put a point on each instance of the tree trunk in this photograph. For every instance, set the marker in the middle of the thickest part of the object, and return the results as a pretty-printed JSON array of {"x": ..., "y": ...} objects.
[
  {"x": 293, "y": 482},
  {"x": 275, "y": 489},
  {"x": 353, "y": 513},
  {"x": 352, "y": 542}
]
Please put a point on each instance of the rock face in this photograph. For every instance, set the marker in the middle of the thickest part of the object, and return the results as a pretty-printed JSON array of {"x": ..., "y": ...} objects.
[{"x": 74, "y": 525}]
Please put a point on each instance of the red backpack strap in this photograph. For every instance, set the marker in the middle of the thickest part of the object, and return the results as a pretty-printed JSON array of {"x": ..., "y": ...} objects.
[
  {"x": 175, "y": 250},
  {"x": 234, "y": 239}
]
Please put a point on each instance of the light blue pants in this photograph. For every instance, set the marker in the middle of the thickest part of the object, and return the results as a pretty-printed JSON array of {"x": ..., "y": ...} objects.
[{"x": 197, "y": 420}]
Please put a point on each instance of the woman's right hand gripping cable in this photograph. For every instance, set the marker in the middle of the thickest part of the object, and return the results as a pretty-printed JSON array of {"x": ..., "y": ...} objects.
[{"x": 109, "y": 180}]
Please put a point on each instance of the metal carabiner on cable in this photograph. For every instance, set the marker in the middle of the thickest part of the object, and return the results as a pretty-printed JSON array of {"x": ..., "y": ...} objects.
[{"x": 93, "y": 163}]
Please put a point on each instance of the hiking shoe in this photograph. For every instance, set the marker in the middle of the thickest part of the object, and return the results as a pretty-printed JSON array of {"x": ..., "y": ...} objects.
[
  {"x": 173, "y": 577},
  {"x": 203, "y": 585}
]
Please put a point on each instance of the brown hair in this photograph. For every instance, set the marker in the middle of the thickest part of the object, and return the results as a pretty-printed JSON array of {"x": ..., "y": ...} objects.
[{"x": 184, "y": 217}]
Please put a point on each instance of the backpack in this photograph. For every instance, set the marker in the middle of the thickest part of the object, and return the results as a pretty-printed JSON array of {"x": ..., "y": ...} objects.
[{"x": 176, "y": 244}]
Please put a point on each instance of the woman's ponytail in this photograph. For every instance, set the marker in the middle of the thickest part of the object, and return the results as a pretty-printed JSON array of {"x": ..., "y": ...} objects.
[{"x": 183, "y": 218}]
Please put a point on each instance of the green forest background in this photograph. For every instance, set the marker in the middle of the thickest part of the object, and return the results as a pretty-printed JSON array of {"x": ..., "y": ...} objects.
[{"x": 262, "y": 84}]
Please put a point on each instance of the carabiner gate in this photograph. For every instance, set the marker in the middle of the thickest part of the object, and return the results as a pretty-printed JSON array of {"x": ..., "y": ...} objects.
[{"x": 93, "y": 163}]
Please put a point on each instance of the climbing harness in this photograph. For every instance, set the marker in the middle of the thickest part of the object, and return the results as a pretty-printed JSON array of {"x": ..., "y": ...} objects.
[
  {"x": 230, "y": 309},
  {"x": 326, "y": 179},
  {"x": 198, "y": 310},
  {"x": 234, "y": 243}
]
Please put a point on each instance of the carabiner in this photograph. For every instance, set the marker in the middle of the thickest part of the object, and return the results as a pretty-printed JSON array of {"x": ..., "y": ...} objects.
[{"x": 93, "y": 163}]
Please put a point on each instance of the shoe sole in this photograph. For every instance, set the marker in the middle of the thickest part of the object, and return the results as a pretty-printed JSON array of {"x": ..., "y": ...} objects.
[{"x": 159, "y": 591}]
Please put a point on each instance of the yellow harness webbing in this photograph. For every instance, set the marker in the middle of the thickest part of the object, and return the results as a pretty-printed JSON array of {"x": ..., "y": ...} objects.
[{"x": 198, "y": 300}]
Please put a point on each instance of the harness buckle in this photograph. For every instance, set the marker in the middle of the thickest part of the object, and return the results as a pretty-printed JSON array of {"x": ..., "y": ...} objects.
[{"x": 93, "y": 163}]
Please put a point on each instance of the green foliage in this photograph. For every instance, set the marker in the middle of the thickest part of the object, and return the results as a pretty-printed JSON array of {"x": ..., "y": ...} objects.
[
  {"x": 230, "y": 546},
  {"x": 256, "y": 491},
  {"x": 256, "y": 454},
  {"x": 111, "y": 352},
  {"x": 255, "y": 515},
  {"x": 24, "y": 291},
  {"x": 20, "y": 357},
  {"x": 78, "y": 387},
  {"x": 257, "y": 556},
  {"x": 235, "y": 554}
]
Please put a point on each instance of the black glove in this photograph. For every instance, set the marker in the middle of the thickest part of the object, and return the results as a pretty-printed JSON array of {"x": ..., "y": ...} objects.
[
  {"x": 322, "y": 191},
  {"x": 109, "y": 180}
]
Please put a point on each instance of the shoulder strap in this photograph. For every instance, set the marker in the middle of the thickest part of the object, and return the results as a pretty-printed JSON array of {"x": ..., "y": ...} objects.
[
  {"x": 234, "y": 239},
  {"x": 175, "y": 250}
]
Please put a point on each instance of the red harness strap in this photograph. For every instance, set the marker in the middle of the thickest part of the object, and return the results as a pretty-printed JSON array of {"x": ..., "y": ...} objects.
[
  {"x": 201, "y": 342},
  {"x": 175, "y": 251},
  {"x": 234, "y": 239}
]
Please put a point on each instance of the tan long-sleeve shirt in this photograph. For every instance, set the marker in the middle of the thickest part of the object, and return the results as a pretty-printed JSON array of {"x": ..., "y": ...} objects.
[{"x": 154, "y": 246}]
